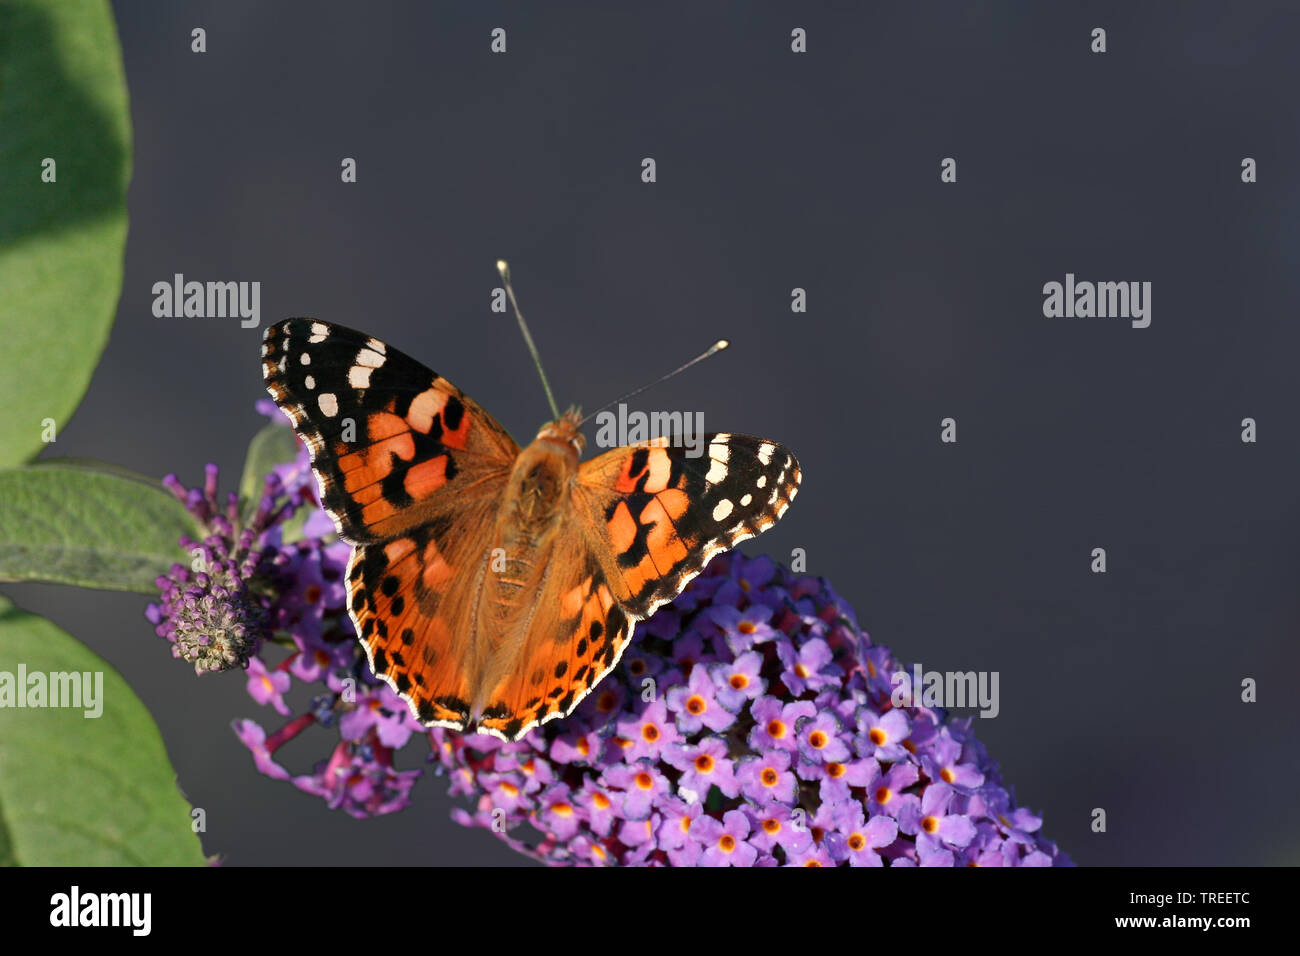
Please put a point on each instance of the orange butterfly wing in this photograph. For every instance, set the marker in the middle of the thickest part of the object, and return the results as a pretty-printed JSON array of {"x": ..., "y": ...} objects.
[
  {"x": 393, "y": 444},
  {"x": 408, "y": 600},
  {"x": 575, "y": 636},
  {"x": 655, "y": 516},
  {"x": 412, "y": 471}
]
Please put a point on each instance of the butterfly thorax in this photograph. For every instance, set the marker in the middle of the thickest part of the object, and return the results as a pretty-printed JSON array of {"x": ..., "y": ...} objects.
[
  {"x": 541, "y": 476},
  {"x": 536, "y": 489}
]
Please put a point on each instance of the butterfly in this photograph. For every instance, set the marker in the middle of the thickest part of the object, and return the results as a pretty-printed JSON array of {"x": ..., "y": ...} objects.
[{"x": 493, "y": 587}]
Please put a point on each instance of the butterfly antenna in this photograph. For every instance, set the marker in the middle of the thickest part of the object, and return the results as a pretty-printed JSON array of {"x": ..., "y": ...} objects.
[
  {"x": 717, "y": 346},
  {"x": 504, "y": 269}
]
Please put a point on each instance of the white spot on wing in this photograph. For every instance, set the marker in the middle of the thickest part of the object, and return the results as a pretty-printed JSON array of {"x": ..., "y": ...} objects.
[
  {"x": 309, "y": 381},
  {"x": 369, "y": 357},
  {"x": 305, "y": 358},
  {"x": 319, "y": 332},
  {"x": 765, "y": 452},
  {"x": 359, "y": 376},
  {"x": 329, "y": 404},
  {"x": 762, "y": 481},
  {"x": 744, "y": 502},
  {"x": 722, "y": 509}
]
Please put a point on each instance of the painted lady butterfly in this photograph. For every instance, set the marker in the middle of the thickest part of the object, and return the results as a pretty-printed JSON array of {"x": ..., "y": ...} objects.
[{"x": 491, "y": 586}]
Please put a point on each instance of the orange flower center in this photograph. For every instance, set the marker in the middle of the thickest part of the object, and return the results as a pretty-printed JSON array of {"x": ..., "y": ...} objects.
[
  {"x": 704, "y": 763},
  {"x": 605, "y": 702},
  {"x": 857, "y": 842},
  {"x": 746, "y": 627},
  {"x": 800, "y": 670},
  {"x": 835, "y": 770},
  {"x": 775, "y": 729},
  {"x": 727, "y": 843},
  {"x": 644, "y": 781},
  {"x": 769, "y": 777},
  {"x": 884, "y": 795},
  {"x": 600, "y": 801},
  {"x": 650, "y": 733},
  {"x": 510, "y": 789},
  {"x": 772, "y": 825},
  {"x": 695, "y": 705},
  {"x": 877, "y": 736},
  {"x": 817, "y": 739},
  {"x": 739, "y": 681},
  {"x": 929, "y": 824},
  {"x": 562, "y": 809}
]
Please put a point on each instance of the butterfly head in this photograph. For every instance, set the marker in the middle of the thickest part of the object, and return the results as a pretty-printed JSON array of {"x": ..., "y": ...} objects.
[{"x": 565, "y": 431}]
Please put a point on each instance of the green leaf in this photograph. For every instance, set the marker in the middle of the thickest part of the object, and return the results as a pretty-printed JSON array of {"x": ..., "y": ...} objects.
[
  {"x": 78, "y": 790},
  {"x": 62, "y": 96},
  {"x": 72, "y": 525},
  {"x": 273, "y": 445},
  {"x": 102, "y": 467}
]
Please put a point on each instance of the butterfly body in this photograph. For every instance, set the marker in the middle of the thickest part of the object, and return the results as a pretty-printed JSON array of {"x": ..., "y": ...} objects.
[
  {"x": 529, "y": 523},
  {"x": 541, "y": 474},
  {"x": 494, "y": 586}
]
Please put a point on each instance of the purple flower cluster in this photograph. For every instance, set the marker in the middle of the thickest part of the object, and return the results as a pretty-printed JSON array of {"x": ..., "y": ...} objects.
[
  {"x": 275, "y": 606},
  {"x": 751, "y": 724},
  {"x": 208, "y": 611}
]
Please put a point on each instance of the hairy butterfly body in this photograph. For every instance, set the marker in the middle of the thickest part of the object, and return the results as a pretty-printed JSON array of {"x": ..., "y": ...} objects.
[{"x": 494, "y": 586}]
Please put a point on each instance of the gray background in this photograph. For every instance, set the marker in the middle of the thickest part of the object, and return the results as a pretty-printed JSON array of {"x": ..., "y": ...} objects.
[{"x": 1119, "y": 691}]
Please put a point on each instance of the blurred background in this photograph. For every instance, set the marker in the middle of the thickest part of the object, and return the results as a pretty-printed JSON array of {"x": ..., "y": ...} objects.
[{"x": 779, "y": 170}]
